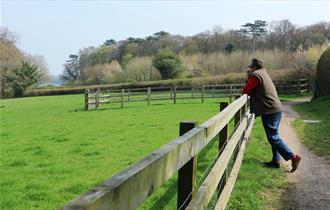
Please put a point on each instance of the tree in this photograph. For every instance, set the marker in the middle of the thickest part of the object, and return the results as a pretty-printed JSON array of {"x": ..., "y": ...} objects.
[
  {"x": 10, "y": 56},
  {"x": 110, "y": 42},
  {"x": 161, "y": 34},
  {"x": 254, "y": 30},
  {"x": 168, "y": 63},
  {"x": 229, "y": 48},
  {"x": 23, "y": 76},
  {"x": 71, "y": 70}
]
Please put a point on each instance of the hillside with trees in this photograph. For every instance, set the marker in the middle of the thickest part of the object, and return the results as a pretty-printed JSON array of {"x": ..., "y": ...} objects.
[{"x": 281, "y": 44}]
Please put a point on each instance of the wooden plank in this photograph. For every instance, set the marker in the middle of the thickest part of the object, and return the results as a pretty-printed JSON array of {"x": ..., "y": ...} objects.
[
  {"x": 187, "y": 174},
  {"x": 225, "y": 195},
  {"x": 120, "y": 191},
  {"x": 216, "y": 123},
  {"x": 208, "y": 187}
]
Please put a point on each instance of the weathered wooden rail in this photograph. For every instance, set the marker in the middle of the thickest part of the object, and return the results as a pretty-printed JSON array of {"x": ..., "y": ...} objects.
[
  {"x": 130, "y": 187},
  {"x": 95, "y": 98}
]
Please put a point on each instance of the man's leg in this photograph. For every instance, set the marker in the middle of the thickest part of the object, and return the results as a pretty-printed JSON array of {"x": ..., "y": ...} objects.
[
  {"x": 271, "y": 124},
  {"x": 276, "y": 155}
]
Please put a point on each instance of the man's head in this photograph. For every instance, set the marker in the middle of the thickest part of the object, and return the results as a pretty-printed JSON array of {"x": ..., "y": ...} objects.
[{"x": 255, "y": 64}]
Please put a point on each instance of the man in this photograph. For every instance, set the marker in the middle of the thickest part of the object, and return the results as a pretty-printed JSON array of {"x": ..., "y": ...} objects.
[{"x": 264, "y": 102}]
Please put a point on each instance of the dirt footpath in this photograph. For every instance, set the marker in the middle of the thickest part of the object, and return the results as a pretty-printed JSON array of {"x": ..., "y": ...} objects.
[{"x": 311, "y": 182}]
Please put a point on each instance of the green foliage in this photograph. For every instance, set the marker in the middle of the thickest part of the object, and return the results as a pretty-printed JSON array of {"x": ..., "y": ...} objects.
[
  {"x": 323, "y": 74},
  {"x": 258, "y": 28},
  {"x": 109, "y": 42},
  {"x": 284, "y": 38},
  {"x": 168, "y": 63},
  {"x": 22, "y": 77},
  {"x": 229, "y": 48}
]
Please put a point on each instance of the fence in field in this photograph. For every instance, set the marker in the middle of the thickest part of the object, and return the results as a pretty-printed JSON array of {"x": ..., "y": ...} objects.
[
  {"x": 293, "y": 86},
  {"x": 129, "y": 188},
  {"x": 94, "y": 98}
]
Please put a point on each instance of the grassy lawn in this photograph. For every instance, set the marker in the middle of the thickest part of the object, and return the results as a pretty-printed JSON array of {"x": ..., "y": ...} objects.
[
  {"x": 315, "y": 135},
  {"x": 52, "y": 151}
]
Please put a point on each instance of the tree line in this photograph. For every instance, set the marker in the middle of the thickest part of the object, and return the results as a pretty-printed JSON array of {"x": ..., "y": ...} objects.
[
  {"x": 159, "y": 56},
  {"x": 18, "y": 70}
]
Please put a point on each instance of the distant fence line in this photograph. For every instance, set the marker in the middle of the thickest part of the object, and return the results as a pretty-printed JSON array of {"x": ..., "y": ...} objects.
[
  {"x": 128, "y": 189},
  {"x": 94, "y": 98}
]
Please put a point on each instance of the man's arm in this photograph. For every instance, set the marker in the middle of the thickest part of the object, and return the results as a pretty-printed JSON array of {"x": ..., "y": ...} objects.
[{"x": 252, "y": 83}]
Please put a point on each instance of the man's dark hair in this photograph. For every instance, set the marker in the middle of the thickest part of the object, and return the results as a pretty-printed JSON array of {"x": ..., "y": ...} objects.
[{"x": 255, "y": 62}]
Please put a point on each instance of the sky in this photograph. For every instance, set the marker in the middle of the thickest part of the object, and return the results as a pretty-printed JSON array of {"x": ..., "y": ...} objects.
[{"x": 56, "y": 29}]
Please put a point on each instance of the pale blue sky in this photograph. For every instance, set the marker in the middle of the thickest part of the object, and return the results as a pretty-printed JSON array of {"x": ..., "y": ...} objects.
[{"x": 56, "y": 29}]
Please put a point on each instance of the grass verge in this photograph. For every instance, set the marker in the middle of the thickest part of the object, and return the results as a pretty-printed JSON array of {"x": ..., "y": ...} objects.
[{"x": 315, "y": 135}]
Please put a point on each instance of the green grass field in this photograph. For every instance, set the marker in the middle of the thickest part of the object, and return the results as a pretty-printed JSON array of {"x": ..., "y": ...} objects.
[
  {"x": 315, "y": 136},
  {"x": 52, "y": 151}
]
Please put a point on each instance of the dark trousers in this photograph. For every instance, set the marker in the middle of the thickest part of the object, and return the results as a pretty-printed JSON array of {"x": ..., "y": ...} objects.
[{"x": 271, "y": 124}]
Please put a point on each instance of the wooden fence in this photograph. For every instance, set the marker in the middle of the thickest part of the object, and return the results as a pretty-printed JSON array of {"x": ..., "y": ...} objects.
[
  {"x": 95, "y": 98},
  {"x": 129, "y": 188}
]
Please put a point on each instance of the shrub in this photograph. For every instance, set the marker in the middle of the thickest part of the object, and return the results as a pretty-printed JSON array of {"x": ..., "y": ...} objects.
[
  {"x": 323, "y": 75},
  {"x": 168, "y": 63}
]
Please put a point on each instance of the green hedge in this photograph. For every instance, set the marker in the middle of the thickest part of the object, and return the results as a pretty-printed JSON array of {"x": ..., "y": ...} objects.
[{"x": 221, "y": 79}]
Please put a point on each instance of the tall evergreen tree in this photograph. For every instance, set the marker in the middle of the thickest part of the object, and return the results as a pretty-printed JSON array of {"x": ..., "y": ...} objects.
[{"x": 254, "y": 30}]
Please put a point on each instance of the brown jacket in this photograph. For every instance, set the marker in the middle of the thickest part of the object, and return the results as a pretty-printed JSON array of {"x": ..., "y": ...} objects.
[{"x": 264, "y": 98}]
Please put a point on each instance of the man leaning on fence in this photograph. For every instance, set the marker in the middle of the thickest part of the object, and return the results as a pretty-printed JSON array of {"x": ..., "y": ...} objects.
[{"x": 264, "y": 102}]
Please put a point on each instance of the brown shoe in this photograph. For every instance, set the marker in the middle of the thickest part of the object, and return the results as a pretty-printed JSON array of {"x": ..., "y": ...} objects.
[{"x": 295, "y": 163}]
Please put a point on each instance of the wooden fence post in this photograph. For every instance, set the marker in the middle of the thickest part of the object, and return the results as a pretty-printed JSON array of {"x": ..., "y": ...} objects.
[
  {"x": 213, "y": 95},
  {"x": 171, "y": 93},
  {"x": 187, "y": 174},
  {"x": 86, "y": 99},
  {"x": 223, "y": 137},
  {"x": 202, "y": 93},
  {"x": 299, "y": 86},
  {"x": 230, "y": 92},
  {"x": 237, "y": 115},
  {"x": 174, "y": 95},
  {"x": 128, "y": 95},
  {"x": 148, "y": 96},
  {"x": 97, "y": 98},
  {"x": 122, "y": 98}
]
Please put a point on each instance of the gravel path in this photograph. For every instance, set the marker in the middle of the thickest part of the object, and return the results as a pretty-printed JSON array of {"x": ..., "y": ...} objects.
[{"x": 311, "y": 182}]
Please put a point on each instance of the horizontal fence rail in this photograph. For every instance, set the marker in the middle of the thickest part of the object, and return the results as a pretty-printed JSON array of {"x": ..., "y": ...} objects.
[
  {"x": 95, "y": 98},
  {"x": 129, "y": 188}
]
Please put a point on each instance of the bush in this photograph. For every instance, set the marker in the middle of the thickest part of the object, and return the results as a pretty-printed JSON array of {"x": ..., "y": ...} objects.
[
  {"x": 168, "y": 63},
  {"x": 22, "y": 77},
  {"x": 323, "y": 74}
]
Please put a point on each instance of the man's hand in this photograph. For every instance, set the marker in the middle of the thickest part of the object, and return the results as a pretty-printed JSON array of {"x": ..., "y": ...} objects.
[{"x": 248, "y": 75}]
